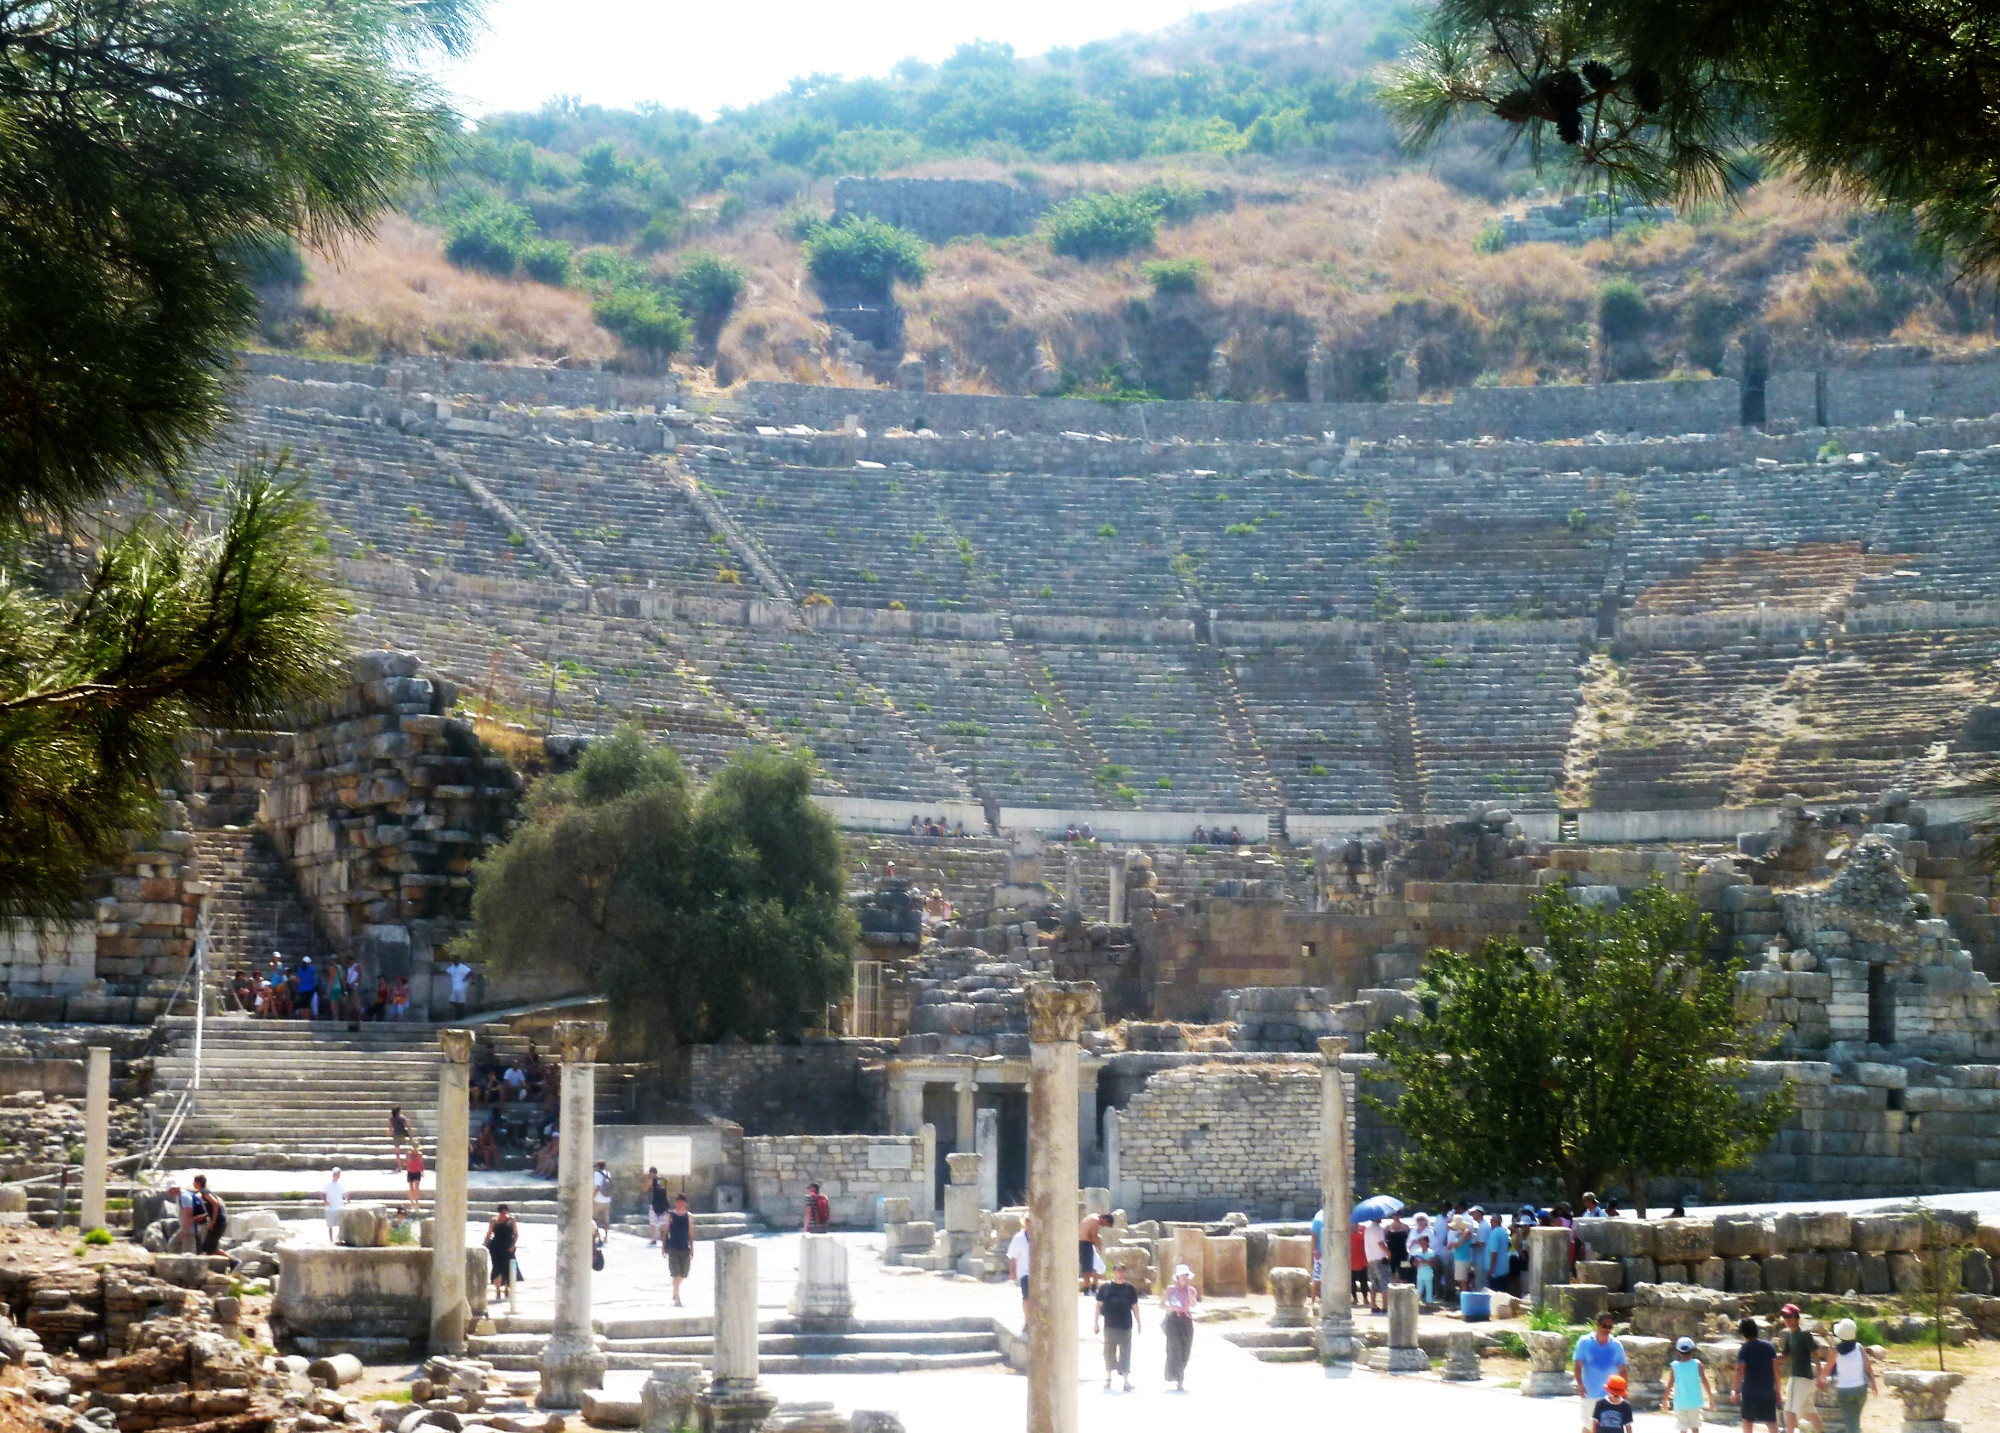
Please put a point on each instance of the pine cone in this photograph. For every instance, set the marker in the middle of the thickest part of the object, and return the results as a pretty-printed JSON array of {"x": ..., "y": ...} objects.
[
  {"x": 1563, "y": 90},
  {"x": 1647, "y": 92},
  {"x": 1598, "y": 76},
  {"x": 1569, "y": 126}
]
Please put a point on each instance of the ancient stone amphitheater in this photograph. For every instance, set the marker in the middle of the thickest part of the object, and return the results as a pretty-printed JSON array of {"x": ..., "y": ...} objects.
[{"x": 1017, "y": 612}]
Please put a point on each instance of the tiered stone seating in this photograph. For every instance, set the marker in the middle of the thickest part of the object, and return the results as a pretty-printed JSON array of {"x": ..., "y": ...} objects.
[
  {"x": 1677, "y": 521},
  {"x": 1887, "y": 710},
  {"x": 864, "y": 537},
  {"x": 1528, "y": 544},
  {"x": 1942, "y": 515},
  {"x": 1493, "y": 719},
  {"x": 1072, "y": 544},
  {"x": 1277, "y": 544},
  {"x": 1317, "y": 711},
  {"x": 1697, "y": 716},
  {"x": 800, "y": 688},
  {"x": 614, "y": 511},
  {"x": 383, "y": 494},
  {"x": 970, "y": 703},
  {"x": 1153, "y": 715}
]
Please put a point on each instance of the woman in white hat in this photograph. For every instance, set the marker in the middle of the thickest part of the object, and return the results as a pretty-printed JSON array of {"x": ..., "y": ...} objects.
[
  {"x": 1852, "y": 1372},
  {"x": 1179, "y": 1301}
]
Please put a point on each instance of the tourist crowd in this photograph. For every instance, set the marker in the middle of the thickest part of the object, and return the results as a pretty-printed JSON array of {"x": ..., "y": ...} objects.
[{"x": 334, "y": 990}]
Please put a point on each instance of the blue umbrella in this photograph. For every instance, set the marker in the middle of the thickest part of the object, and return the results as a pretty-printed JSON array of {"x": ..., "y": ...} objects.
[{"x": 1377, "y": 1206}]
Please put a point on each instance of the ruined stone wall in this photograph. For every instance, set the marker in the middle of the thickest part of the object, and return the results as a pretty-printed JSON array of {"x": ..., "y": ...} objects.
[
  {"x": 821, "y": 1086},
  {"x": 853, "y": 1171},
  {"x": 498, "y": 382},
  {"x": 381, "y": 803}
]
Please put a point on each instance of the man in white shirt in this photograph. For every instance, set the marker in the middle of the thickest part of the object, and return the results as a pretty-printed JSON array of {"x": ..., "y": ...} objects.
[
  {"x": 459, "y": 972},
  {"x": 516, "y": 1079},
  {"x": 600, "y": 1201},
  {"x": 334, "y": 1196},
  {"x": 1017, "y": 1264}
]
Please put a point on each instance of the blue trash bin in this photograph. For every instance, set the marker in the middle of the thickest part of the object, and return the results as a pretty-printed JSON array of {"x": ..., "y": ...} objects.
[{"x": 1476, "y": 1306}]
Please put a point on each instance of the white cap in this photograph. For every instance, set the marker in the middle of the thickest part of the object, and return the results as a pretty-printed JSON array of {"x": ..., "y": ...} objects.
[
  {"x": 1183, "y": 1272},
  {"x": 1844, "y": 1329}
]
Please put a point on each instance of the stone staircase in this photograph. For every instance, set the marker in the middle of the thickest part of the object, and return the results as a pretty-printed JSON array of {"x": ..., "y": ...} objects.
[
  {"x": 254, "y": 902},
  {"x": 300, "y": 1094},
  {"x": 783, "y": 1345}
]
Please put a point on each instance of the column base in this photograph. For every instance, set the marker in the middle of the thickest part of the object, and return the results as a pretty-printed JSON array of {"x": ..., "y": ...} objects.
[
  {"x": 734, "y": 1410},
  {"x": 1399, "y": 1360},
  {"x": 569, "y": 1366},
  {"x": 1337, "y": 1343},
  {"x": 448, "y": 1332},
  {"x": 1548, "y": 1383}
]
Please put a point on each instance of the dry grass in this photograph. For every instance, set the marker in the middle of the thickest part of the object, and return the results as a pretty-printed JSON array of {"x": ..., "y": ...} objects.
[{"x": 396, "y": 294}]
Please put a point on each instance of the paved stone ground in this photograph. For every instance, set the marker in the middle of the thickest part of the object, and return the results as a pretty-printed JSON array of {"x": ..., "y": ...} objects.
[{"x": 1225, "y": 1384}]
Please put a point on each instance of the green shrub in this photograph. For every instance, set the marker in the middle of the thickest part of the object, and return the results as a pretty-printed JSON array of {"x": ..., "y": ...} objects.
[
  {"x": 706, "y": 288},
  {"x": 1510, "y": 1342},
  {"x": 488, "y": 235},
  {"x": 1175, "y": 200},
  {"x": 865, "y": 254},
  {"x": 1490, "y": 239},
  {"x": 1621, "y": 310},
  {"x": 545, "y": 261},
  {"x": 98, "y": 1237},
  {"x": 1102, "y": 226},
  {"x": 1173, "y": 276},
  {"x": 643, "y": 319}
]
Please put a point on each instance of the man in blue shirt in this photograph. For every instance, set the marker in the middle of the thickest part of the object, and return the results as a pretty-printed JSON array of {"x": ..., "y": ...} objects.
[
  {"x": 1598, "y": 1356},
  {"x": 1499, "y": 1249}
]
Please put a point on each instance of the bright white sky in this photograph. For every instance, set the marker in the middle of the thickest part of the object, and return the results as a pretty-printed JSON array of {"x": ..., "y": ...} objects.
[{"x": 709, "y": 55}]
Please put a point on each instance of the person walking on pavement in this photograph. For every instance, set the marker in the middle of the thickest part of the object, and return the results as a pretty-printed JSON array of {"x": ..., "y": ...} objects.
[
  {"x": 600, "y": 1196},
  {"x": 819, "y": 1213},
  {"x": 1597, "y": 1357},
  {"x": 1757, "y": 1378},
  {"x": 1179, "y": 1301},
  {"x": 1017, "y": 1265},
  {"x": 1852, "y": 1370},
  {"x": 413, "y": 1175},
  {"x": 399, "y": 1129},
  {"x": 677, "y": 1243},
  {"x": 1801, "y": 1351},
  {"x": 1690, "y": 1393},
  {"x": 656, "y": 1207},
  {"x": 1117, "y": 1318},
  {"x": 502, "y": 1236}
]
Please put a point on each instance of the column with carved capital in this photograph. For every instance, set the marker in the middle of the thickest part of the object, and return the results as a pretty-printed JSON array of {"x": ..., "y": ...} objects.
[
  {"x": 571, "y": 1362},
  {"x": 1336, "y": 1294},
  {"x": 1056, "y": 1013},
  {"x": 449, "y": 1310}
]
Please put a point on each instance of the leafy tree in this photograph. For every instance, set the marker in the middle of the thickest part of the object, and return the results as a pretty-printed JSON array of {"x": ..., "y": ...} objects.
[
  {"x": 488, "y": 236},
  {"x": 1621, "y": 310},
  {"x": 707, "y": 287},
  {"x": 644, "y": 320},
  {"x": 1102, "y": 226},
  {"x": 698, "y": 915},
  {"x": 1173, "y": 276},
  {"x": 865, "y": 254},
  {"x": 224, "y": 625},
  {"x": 1614, "y": 1049},
  {"x": 1882, "y": 99},
  {"x": 149, "y": 149},
  {"x": 1941, "y": 1267},
  {"x": 546, "y": 261}
]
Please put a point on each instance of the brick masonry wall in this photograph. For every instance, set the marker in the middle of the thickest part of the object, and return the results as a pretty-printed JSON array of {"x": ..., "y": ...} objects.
[
  {"x": 853, "y": 1171},
  {"x": 1206, "y": 1140},
  {"x": 822, "y": 1085}
]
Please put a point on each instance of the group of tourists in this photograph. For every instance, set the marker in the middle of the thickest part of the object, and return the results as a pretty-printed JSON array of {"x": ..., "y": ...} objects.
[
  {"x": 1203, "y": 836},
  {"x": 201, "y": 1217},
  {"x": 1773, "y": 1378},
  {"x": 935, "y": 826},
  {"x": 334, "y": 990},
  {"x": 1117, "y": 1318}
]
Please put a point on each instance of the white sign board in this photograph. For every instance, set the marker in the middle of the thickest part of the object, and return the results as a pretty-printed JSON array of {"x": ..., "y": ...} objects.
[
  {"x": 889, "y": 1156},
  {"x": 671, "y": 1154}
]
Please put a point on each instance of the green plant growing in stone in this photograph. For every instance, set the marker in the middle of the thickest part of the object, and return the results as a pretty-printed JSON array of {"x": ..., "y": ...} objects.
[
  {"x": 97, "y": 1237},
  {"x": 1942, "y": 1265},
  {"x": 1614, "y": 1049}
]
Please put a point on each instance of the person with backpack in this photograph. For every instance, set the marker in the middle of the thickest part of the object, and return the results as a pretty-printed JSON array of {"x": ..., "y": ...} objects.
[
  {"x": 1852, "y": 1371},
  {"x": 819, "y": 1213}
]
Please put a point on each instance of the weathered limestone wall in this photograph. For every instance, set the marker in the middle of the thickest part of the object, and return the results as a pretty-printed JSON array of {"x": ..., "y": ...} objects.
[
  {"x": 853, "y": 1171},
  {"x": 715, "y": 1149},
  {"x": 820, "y": 1086},
  {"x": 1200, "y": 1142},
  {"x": 47, "y": 958},
  {"x": 382, "y": 802},
  {"x": 499, "y": 382},
  {"x": 362, "y": 1300}
]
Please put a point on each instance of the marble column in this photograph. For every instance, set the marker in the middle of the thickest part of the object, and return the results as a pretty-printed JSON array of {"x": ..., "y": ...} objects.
[
  {"x": 963, "y": 1136},
  {"x": 1055, "y": 1019},
  {"x": 1117, "y": 873},
  {"x": 735, "y": 1401},
  {"x": 1403, "y": 1355},
  {"x": 449, "y": 1309},
  {"x": 96, "y": 1136},
  {"x": 570, "y": 1361},
  {"x": 1336, "y": 1298},
  {"x": 986, "y": 1142}
]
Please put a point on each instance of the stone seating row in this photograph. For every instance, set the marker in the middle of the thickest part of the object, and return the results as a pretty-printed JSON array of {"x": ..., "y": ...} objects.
[
  {"x": 1679, "y": 521},
  {"x": 1318, "y": 714},
  {"x": 1492, "y": 723},
  {"x": 1941, "y": 515}
]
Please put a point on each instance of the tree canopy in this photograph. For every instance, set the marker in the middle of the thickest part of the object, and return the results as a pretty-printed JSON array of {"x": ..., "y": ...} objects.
[
  {"x": 698, "y": 914},
  {"x": 1890, "y": 101},
  {"x": 149, "y": 151},
  {"x": 1612, "y": 1050}
]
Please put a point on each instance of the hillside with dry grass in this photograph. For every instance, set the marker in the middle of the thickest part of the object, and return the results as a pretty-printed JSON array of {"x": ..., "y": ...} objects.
[{"x": 1313, "y": 229}]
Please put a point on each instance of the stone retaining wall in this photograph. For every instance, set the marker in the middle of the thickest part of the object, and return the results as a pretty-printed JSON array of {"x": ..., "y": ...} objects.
[
  {"x": 822, "y": 1085},
  {"x": 853, "y": 1171},
  {"x": 1200, "y": 1142}
]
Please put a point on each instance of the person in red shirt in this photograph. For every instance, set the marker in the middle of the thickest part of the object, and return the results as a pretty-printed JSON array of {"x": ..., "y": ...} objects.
[
  {"x": 819, "y": 1214},
  {"x": 413, "y": 1170},
  {"x": 1357, "y": 1264}
]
